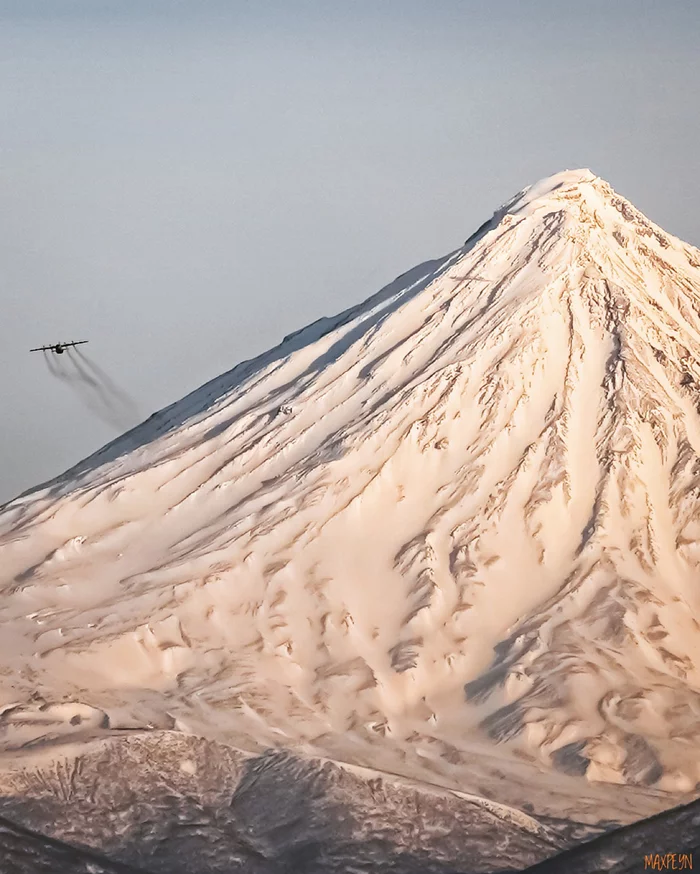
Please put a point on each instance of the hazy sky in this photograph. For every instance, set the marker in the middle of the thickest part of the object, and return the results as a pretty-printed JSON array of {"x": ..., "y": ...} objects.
[{"x": 184, "y": 183}]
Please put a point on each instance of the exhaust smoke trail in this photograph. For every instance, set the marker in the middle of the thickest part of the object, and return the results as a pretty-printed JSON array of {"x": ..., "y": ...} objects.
[{"x": 98, "y": 392}]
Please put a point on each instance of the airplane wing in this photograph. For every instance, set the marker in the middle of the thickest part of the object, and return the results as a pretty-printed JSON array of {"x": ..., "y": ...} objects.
[{"x": 52, "y": 348}]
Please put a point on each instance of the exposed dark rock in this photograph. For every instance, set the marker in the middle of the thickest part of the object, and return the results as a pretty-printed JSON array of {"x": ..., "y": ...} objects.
[
  {"x": 668, "y": 841},
  {"x": 176, "y": 804},
  {"x": 23, "y": 851}
]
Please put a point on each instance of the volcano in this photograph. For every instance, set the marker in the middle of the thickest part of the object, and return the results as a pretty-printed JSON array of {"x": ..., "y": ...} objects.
[{"x": 450, "y": 534}]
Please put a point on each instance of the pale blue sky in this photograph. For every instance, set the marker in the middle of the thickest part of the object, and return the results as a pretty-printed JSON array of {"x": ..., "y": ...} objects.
[{"x": 186, "y": 182}]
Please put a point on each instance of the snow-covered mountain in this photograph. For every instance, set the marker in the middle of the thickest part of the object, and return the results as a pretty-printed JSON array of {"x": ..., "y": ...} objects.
[{"x": 455, "y": 526}]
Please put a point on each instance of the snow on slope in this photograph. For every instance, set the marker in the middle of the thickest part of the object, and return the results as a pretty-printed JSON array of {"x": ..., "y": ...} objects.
[{"x": 460, "y": 518}]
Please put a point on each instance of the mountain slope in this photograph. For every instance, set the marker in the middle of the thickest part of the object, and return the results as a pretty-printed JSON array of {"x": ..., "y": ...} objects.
[{"x": 454, "y": 526}]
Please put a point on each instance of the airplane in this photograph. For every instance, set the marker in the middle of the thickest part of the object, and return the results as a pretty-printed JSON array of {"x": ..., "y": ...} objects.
[{"x": 59, "y": 348}]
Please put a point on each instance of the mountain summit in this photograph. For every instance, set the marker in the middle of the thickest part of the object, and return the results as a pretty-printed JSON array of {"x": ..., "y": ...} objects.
[{"x": 462, "y": 517}]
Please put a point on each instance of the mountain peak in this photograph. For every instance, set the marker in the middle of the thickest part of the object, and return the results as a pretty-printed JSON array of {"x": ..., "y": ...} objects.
[
  {"x": 564, "y": 182},
  {"x": 585, "y": 209},
  {"x": 569, "y": 186}
]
